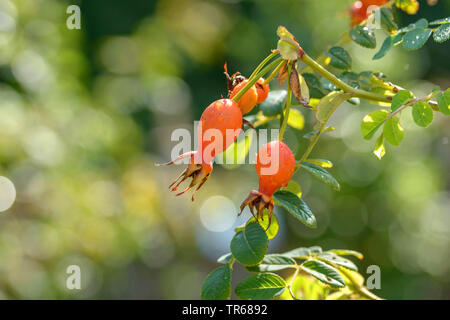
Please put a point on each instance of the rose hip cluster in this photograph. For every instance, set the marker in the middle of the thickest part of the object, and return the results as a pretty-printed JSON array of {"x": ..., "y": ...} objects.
[
  {"x": 275, "y": 162},
  {"x": 358, "y": 10}
]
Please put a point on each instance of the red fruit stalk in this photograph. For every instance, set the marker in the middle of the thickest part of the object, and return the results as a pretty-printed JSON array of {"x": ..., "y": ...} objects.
[
  {"x": 220, "y": 124},
  {"x": 275, "y": 165}
]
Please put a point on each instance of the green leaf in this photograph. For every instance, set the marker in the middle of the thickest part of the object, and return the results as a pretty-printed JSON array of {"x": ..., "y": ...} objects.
[
  {"x": 293, "y": 187},
  {"x": 236, "y": 153},
  {"x": 315, "y": 249},
  {"x": 282, "y": 32},
  {"x": 334, "y": 258},
  {"x": 327, "y": 85},
  {"x": 363, "y": 36},
  {"x": 328, "y": 104},
  {"x": 443, "y": 100},
  {"x": 421, "y": 23},
  {"x": 273, "y": 228},
  {"x": 441, "y": 21},
  {"x": 272, "y": 106},
  {"x": 288, "y": 49},
  {"x": 416, "y": 38},
  {"x": 393, "y": 131},
  {"x": 402, "y": 97},
  {"x": 273, "y": 262},
  {"x": 372, "y": 122},
  {"x": 387, "y": 20},
  {"x": 262, "y": 286},
  {"x": 225, "y": 258},
  {"x": 295, "y": 206},
  {"x": 315, "y": 88},
  {"x": 249, "y": 246},
  {"x": 217, "y": 285},
  {"x": 304, "y": 88},
  {"x": 321, "y": 163},
  {"x": 340, "y": 58},
  {"x": 442, "y": 33},
  {"x": 388, "y": 43},
  {"x": 299, "y": 253},
  {"x": 296, "y": 119},
  {"x": 380, "y": 149},
  {"x": 321, "y": 174},
  {"x": 345, "y": 252},
  {"x": 385, "y": 47},
  {"x": 422, "y": 113},
  {"x": 324, "y": 272}
]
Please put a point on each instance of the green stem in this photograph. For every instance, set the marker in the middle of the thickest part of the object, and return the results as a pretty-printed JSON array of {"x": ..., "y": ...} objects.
[
  {"x": 289, "y": 287},
  {"x": 252, "y": 81},
  {"x": 274, "y": 72},
  {"x": 286, "y": 110},
  {"x": 312, "y": 143},
  {"x": 262, "y": 64},
  {"x": 428, "y": 97},
  {"x": 341, "y": 84}
]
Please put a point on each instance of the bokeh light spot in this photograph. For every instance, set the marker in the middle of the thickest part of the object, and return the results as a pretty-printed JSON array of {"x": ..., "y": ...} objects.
[
  {"x": 7, "y": 194},
  {"x": 218, "y": 214}
]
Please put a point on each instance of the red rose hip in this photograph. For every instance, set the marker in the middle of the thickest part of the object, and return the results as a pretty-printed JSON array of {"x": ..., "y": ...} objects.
[
  {"x": 275, "y": 165},
  {"x": 220, "y": 124}
]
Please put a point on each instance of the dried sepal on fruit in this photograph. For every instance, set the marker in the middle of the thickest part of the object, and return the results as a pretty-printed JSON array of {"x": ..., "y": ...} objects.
[
  {"x": 219, "y": 126},
  {"x": 275, "y": 165}
]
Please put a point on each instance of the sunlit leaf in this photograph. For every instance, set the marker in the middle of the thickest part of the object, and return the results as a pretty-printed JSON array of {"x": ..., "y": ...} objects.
[
  {"x": 296, "y": 119},
  {"x": 273, "y": 262},
  {"x": 393, "y": 131},
  {"x": 442, "y": 33},
  {"x": 324, "y": 272},
  {"x": 249, "y": 246},
  {"x": 321, "y": 174},
  {"x": 334, "y": 258},
  {"x": 321, "y": 163},
  {"x": 440, "y": 21},
  {"x": 217, "y": 285},
  {"x": 304, "y": 88},
  {"x": 379, "y": 149},
  {"x": 295, "y": 206},
  {"x": 299, "y": 253},
  {"x": 328, "y": 104},
  {"x": 372, "y": 122},
  {"x": 422, "y": 113},
  {"x": 293, "y": 187},
  {"x": 236, "y": 153},
  {"x": 272, "y": 231},
  {"x": 443, "y": 100},
  {"x": 402, "y": 97},
  {"x": 225, "y": 258},
  {"x": 262, "y": 286},
  {"x": 346, "y": 252}
]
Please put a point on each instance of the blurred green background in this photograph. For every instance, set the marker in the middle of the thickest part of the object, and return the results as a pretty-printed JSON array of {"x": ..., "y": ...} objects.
[{"x": 85, "y": 113}]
